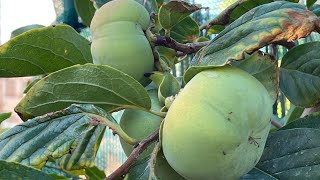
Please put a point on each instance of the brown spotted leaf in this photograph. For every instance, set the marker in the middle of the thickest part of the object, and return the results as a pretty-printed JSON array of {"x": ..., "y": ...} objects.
[{"x": 263, "y": 25}]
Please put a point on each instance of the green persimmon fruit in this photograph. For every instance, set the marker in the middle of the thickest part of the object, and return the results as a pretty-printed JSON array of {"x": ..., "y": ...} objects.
[
  {"x": 139, "y": 124},
  {"x": 118, "y": 39},
  {"x": 120, "y": 10},
  {"x": 217, "y": 126},
  {"x": 163, "y": 170}
]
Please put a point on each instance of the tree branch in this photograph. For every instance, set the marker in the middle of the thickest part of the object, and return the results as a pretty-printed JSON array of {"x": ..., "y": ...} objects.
[
  {"x": 187, "y": 48},
  {"x": 285, "y": 44},
  {"x": 139, "y": 148},
  {"x": 276, "y": 124}
]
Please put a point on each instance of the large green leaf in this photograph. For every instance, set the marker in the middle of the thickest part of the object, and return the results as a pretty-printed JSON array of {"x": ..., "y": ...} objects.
[
  {"x": 101, "y": 85},
  {"x": 265, "y": 24},
  {"x": 310, "y": 3},
  {"x": 173, "y": 12},
  {"x": 256, "y": 173},
  {"x": 139, "y": 170},
  {"x": 232, "y": 13},
  {"x": 23, "y": 29},
  {"x": 12, "y": 170},
  {"x": 42, "y": 51},
  {"x": 293, "y": 114},
  {"x": 85, "y": 10},
  {"x": 55, "y": 135},
  {"x": 244, "y": 6},
  {"x": 4, "y": 116},
  {"x": 300, "y": 74},
  {"x": 185, "y": 31},
  {"x": 310, "y": 121},
  {"x": 292, "y": 154}
]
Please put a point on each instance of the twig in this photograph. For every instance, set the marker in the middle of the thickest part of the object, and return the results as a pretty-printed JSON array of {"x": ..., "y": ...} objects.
[
  {"x": 187, "y": 48},
  {"x": 115, "y": 127},
  {"x": 275, "y": 57},
  {"x": 141, "y": 146},
  {"x": 285, "y": 44},
  {"x": 153, "y": 159},
  {"x": 276, "y": 124}
]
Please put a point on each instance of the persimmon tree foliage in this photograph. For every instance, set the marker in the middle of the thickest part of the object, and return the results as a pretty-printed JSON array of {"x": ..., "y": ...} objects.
[{"x": 214, "y": 122}]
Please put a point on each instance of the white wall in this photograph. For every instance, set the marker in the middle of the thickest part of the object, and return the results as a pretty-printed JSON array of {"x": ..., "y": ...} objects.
[{"x": 18, "y": 13}]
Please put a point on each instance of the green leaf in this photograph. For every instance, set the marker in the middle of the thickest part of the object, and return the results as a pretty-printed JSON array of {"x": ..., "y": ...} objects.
[
  {"x": 57, "y": 177},
  {"x": 194, "y": 70},
  {"x": 257, "y": 28},
  {"x": 101, "y": 85},
  {"x": 264, "y": 68},
  {"x": 85, "y": 10},
  {"x": 163, "y": 171},
  {"x": 245, "y": 6},
  {"x": 201, "y": 39},
  {"x": 94, "y": 173},
  {"x": 24, "y": 29},
  {"x": 167, "y": 83},
  {"x": 185, "y": 31},
  {"x": 256, "y": 173},
  {"x": 293, "y": 114},
  {"x": 310, "y": 3},
  {"x": 55, "y": 134},
  {"x": 42, "y": 51},
  {"x": 32, "y": 83},
  {"x": 139, "y": 170},
  {"x": 168, "y": 55},
  {"x": 230, "y": 14},
  {"x": 300, "y": 75},
  {"x": 215, "y": 29},
  {"x": 310, "y": 121},
  {"x": 100, "y": 3},
  {"x": 316, "y": 9},
  {"x": 12, "y": 170},
  {"x": 4, "y": 116},
  {"x": 150, "y": 5},
  {"x": 173, "y": 12},
  {"x": 292, "y": 154},
  {"x": 4, "y": 130}
]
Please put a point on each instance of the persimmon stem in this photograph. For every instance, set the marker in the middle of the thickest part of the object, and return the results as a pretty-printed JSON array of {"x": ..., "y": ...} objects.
[
  {"x": 116, "y": 128},
  {"x": 187, "y": 48}
]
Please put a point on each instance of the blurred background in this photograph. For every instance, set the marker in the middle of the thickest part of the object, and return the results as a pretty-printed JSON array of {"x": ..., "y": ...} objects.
[{"x": 17, "y": 13}]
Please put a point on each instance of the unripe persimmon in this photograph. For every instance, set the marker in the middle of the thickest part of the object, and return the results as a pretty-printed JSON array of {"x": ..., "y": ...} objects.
[
  {"x": 217, "y": 126},
  {"x": 118, "y": 39}
]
